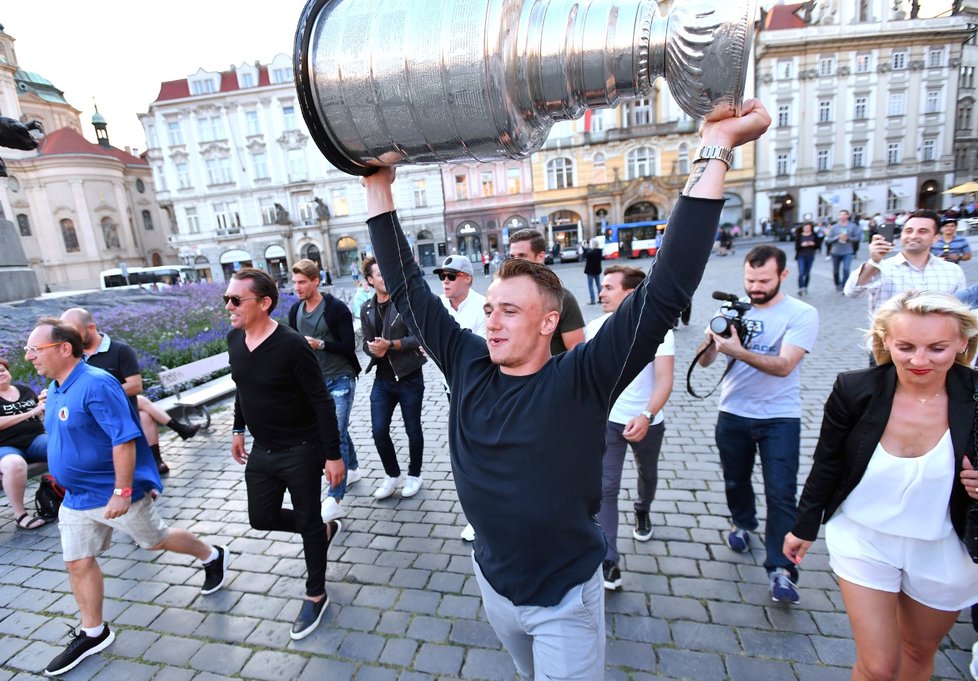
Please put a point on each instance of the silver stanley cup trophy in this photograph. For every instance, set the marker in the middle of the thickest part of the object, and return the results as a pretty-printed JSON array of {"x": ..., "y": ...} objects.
[{"x": 388, "y": 82}]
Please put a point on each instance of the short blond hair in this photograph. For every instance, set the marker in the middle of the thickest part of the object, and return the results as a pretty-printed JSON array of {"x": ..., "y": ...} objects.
[
  {"x": 924, "y": 303},
  {"x": 306, "y": 268}
]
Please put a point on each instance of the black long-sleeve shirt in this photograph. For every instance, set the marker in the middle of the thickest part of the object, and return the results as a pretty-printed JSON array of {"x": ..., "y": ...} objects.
[
  {"x": 526, "y": 450},
  {"x": 280, "y": 395}
]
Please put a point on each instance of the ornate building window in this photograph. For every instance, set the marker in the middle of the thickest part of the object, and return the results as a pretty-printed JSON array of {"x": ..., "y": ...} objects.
[
  {"x": 24, "y": 224},
  {"x": 560, "y": 173},
  {"x": 69, "y": 236}
]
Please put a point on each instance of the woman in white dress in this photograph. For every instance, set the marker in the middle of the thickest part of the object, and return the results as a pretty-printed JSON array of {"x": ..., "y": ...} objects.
[{"x": 892, "y": 481}]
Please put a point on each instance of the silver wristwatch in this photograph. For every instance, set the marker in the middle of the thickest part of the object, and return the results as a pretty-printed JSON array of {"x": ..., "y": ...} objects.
[{"x": 724, "y": 154}]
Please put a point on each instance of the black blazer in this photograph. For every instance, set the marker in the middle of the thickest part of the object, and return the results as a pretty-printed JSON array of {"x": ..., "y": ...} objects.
[{"x": 856, "y": 415}]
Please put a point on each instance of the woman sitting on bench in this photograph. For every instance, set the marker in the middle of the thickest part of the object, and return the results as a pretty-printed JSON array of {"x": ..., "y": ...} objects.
[{"x": 22, "y": 440}]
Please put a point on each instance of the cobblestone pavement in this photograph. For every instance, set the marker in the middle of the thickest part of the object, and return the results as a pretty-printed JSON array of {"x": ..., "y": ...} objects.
[{"x": 404, "y": 602}]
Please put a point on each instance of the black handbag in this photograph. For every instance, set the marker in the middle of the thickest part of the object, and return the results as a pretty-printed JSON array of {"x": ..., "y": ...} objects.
[{"x": 971, "y": 517}]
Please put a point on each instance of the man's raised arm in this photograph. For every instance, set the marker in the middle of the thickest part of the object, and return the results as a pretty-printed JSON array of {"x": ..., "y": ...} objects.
[
  {"x": 623, "y": 345},
  {"x": 424, "y": 313}
]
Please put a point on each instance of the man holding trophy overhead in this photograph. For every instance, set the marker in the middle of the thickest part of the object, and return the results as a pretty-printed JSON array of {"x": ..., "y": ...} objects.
[{"x": 531, "y": 493}]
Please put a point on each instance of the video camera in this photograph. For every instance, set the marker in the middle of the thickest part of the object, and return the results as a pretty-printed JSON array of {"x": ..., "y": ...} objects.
[{"x": 731, "y": 317}]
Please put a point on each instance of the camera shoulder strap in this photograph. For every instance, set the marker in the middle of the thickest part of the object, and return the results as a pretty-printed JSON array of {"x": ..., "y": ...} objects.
[{"x": 746, "y": 341}]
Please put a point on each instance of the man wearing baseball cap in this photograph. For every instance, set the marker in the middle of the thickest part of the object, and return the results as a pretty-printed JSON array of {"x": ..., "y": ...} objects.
[
  {"x": 948, "y": 245},
  {"x": 464, "y": 304}
]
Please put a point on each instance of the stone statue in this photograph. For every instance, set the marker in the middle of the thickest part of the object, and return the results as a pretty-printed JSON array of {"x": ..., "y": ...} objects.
[
  {"x": 281, "y": 215},
  {"x": 322, "y": 210},
  {"x": 111, "y": 234},
  {"x": 17, "y": 135}
]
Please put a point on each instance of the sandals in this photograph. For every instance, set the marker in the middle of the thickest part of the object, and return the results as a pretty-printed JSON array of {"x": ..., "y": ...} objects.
[{"x": 28, "y": 522}]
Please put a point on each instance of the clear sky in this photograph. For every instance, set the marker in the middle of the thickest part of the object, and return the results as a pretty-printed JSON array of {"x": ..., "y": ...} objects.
[{"x": 117, "y": 52}]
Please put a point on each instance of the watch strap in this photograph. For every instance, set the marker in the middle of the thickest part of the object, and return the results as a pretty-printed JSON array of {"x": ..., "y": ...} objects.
[
  {"x": 123, "y": 492},
  {"x": 649, "y": 415},
  {"x": 708, "y": 152}
]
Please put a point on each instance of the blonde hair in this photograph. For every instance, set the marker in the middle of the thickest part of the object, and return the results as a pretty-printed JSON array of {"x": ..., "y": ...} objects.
[
  {"x": 924, "y": 303},
  {"x": 306, "y": 268}
]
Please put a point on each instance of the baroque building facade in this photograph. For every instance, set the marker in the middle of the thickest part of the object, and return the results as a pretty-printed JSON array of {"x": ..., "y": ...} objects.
[
  {"x": 79, "y": 208},
  {"x": 243, "y": 183},
  {"x": 863, "y": 98}
]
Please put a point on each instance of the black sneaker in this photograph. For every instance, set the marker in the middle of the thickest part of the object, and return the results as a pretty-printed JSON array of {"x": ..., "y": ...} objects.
[
  {"x": 612, "y": 575},
  {"x": 643, "y": 526},
  {"x": 308, "y": 619},
  {"x": 214, "y": 571},
  {"x": 81, "y": 646},
  {"x": 333, "y": 528}
]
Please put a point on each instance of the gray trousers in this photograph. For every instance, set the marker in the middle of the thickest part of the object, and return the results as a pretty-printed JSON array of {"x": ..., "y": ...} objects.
[
  {"x": 646, "y": 464},
  {"x": 564, "y": 641}
]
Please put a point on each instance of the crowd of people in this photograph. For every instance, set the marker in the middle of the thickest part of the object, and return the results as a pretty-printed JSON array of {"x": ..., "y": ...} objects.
[{"x": 892, "y": 479}]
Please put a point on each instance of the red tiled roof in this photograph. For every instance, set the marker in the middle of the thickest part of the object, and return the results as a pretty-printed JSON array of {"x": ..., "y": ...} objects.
[
  {"x": 178, "y": 89},
  {"x": 173, "y": 89},
  {"x": 783, "y": 17},
  {"x": 69, "y": 142}
]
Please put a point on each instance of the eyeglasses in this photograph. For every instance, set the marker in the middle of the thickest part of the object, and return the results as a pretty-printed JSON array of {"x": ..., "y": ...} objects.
[
  {"x": 237, "y": 300},
  {"x": 451, "y": 276},
  {"x": 35, "y": 349}
]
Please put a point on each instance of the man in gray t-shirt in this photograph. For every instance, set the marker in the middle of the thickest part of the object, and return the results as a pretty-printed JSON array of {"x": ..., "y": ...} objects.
[
  {"x": 327, "y": 325},
  {"x": 760, "y": 410},
  {"x": 842, "y": 240}
]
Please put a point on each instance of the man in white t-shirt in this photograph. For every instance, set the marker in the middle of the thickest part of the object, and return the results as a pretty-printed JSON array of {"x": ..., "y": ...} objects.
[
  {"x": 760, "y": 410},
  {"x": 465, "y": 306},
  {"x": 636, "y": 419}
]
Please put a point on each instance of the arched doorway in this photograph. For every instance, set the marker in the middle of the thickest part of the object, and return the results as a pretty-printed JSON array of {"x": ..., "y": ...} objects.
[
  {"x": 733, "y": 211},
  {"x": 929, "y": 195},
  {"x": 426, "y": 248},
  {"x": 565, "y": 233},
  {"x": 346, "y": 253},
  {"x": 311, "y": 252},
  {"x": 203, "y": 268},
  {"x": 641, "y": 211},
  {"x": 234, "y": 260},
  {"x": 468, "y": 239},
  {"x": 782, "y": 212},
  {"x": 276, "y": 263},
  {"x": 156, "y": 260}
]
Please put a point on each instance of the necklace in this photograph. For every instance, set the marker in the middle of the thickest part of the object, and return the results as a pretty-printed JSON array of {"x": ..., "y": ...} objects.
[{"x": 924, "y": 400}]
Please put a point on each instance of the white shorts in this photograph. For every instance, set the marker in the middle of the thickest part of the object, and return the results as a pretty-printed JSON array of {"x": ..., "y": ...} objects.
[
  {"x": 936, "y": 573},
  {"x": 85, "y": 534}
]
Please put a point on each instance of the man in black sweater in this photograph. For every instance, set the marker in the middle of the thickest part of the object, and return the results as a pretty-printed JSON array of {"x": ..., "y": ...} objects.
[
  {"x": 532, "y": 492},
  {"x": 282, "y": 400}
]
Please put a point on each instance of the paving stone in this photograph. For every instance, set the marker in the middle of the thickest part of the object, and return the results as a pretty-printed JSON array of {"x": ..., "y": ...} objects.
[
  {"x": 778, "y": 645},
  {"x": 320, "y": 669},
  {"x": 220, "y": 659},
  {"x": 439, "y": 659},
  {"x": 125, "y": 670},
  {"x": 132, "y": 642},
  {"x": 359, "y": 645},
  {"x": 706, "y": 637},
  {"x": 631, "y": 655},
  {"x": 172, "y": 650},
  {"x": 685, "y": 664},
  {"x": 751, "y": 669},
  {"x": 226, "y": 627},
  {"x": 273, "y": 666},
  {"x": 399, "y": 652},
  {"x": 429, "y": 629}
]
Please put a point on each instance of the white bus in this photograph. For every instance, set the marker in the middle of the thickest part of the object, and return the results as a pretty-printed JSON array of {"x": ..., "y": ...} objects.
[{"x": 159, "y": 277}]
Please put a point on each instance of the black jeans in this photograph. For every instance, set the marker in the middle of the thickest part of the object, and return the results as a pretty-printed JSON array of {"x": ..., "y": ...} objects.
[
  {"x": 298, "y": 470},
  {"x": 384, "y": 396}
]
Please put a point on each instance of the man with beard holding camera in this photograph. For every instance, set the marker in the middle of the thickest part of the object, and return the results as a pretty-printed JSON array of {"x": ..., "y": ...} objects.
[{"x": 760, "y": 409}]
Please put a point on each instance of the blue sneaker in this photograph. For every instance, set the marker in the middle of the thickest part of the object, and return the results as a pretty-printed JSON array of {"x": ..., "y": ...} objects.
[
  {"x": 782, "y": 588},
  {"x": 739, "y": 540}
]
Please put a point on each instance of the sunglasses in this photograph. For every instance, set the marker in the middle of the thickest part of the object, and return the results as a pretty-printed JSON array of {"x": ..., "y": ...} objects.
[
  {"x": 451, "y": 276},
  {"x": 237, "y": 300},
  {"x": 35, "y": 349}
]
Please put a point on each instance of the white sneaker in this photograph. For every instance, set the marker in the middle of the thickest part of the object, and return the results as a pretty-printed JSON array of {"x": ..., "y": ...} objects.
[
  {"x": 974, "y": 662},
  {"x": 411, "y": 486},
  {"x": 388, "y": 486},
  {"x": 353, "y": 476},
  {"x": 468, "y": 534},
  {"x": 332, "y": 509}
]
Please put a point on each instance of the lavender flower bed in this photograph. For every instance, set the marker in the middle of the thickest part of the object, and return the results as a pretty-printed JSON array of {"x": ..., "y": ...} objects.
[{"x": 167, "y": 330}]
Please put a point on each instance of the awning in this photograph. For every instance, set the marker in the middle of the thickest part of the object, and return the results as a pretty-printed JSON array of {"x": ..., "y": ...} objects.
[
  {"x": 899, "y": 193},
  {"x": 863, "y": 196},
  {"x": 274, "y": 252},
  {"x": 829, "y": 198},
  {"x": 236, "y": 255}
]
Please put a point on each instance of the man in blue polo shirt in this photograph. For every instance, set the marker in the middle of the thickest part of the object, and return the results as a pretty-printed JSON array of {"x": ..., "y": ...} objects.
[
  {"x": 948, "y": 245},
  {"x": 97, "y": 450}
]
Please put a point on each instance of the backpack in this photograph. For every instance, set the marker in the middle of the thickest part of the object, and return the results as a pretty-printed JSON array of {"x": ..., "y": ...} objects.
[{"x": 49, "y": 497}]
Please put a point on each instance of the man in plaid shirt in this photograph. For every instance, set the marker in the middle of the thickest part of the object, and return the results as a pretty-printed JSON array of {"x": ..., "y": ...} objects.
[{"x": 913, "y": 268}]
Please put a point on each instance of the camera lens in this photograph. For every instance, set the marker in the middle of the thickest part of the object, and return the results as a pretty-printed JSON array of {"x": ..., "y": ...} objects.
[{"x": 720, "y": 325}]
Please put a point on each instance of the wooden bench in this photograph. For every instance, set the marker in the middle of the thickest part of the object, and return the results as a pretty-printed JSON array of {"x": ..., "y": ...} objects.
[{"x": 190, "y": 407}]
